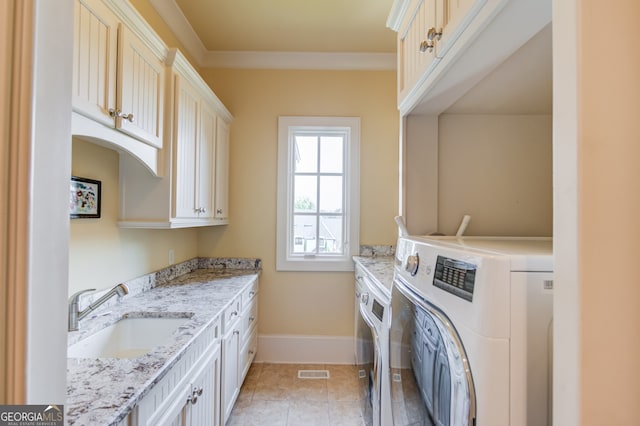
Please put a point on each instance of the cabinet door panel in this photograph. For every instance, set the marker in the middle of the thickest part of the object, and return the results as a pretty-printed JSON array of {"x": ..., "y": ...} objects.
[
  {"x": 94, "y": 60},
  {"x": 206, "y": 161},
  {"x": 202, "y": 411},
  {"x": 230, "y": 371},
  {"x": 185, "y": 137},
  {"x": 453, "y": 17},
  {"x": 141, "y": 79},
  {"x": 222, "y": 171}
]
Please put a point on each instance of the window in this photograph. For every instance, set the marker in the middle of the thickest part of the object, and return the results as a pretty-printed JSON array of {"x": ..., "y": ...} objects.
[{"x": 318, "y": 193}]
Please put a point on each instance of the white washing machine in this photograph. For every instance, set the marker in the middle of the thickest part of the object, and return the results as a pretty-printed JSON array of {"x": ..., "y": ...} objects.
[
  {"x": 471, "y": 331},
  {"x": 372, "y": 310}
]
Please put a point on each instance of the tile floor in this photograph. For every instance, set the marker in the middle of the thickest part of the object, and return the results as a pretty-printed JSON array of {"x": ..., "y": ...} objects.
[{"x": 272, "y": 394}]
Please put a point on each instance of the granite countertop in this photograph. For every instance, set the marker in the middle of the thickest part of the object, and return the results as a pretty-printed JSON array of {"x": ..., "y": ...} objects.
[
  {"x": 379, "y": 269},
  {"x": 103, "y": 391}
]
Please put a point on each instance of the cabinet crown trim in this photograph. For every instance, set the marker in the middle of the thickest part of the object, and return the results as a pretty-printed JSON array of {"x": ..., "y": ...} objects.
[
  {"x": 136, "y": 23},
  {"x": 177, "y": 61}
]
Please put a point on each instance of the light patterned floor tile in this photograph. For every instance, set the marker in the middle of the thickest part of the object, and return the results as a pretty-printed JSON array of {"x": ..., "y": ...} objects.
[{"x": 272, "y": 395}]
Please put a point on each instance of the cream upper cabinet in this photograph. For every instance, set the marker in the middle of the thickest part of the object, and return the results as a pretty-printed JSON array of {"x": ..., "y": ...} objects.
[
  {"x": 194, "y": 153},
  {"x": 195, "y": 160},
  {"x": 415, "y": 52},
  {"x": 140, "y": 100},
  {"x": 447, "y": 46},
  {"x": 95, "y": 50},
  {"x": 186, "y": 118},
  {"x": 118, "y": 79}
]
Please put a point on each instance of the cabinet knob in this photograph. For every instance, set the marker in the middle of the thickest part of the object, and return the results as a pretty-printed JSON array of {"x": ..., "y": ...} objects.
[
  {"x": 203, "y": 210},
  {"x": 116, "y": 113},
  {"x": 433, "y": 34},
  {"x": 237, "y": 332},
  {"x": 251, "y": 319},
  {"x": 219, "y": 211},
  {"x": 195, "y": 393},
  {"x": 426, "y": 45}
]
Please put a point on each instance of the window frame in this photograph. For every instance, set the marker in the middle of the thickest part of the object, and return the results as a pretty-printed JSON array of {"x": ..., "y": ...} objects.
[{"x": 285, "y": 259}]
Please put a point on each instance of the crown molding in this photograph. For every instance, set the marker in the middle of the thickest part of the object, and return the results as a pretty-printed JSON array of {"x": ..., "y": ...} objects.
[
  {"x": 177, "y": 22},
  {"x": 175, "y": 19},
  {"x": 301, "y": 60}
]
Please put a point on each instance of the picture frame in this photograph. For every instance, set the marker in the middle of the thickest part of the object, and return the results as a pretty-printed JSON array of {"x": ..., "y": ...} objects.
[{"x": 84, "y": 198}]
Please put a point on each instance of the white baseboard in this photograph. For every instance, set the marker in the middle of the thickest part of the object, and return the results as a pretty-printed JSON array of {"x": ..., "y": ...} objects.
[{"x": 301, "y": 349}]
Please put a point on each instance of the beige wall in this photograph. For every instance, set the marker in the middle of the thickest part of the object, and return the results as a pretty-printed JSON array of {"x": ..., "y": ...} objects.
[
  {"x": 149, "y": 13},
  {"x": 302, "y": 303},
  {"x": 609, "y": 208},
  {"x": 101, "y": 254},
  {"x": 497, "y": 169}
]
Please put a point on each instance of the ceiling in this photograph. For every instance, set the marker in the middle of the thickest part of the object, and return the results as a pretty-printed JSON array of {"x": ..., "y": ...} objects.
[
  {"x": 216, "y": 30},
  {"x": 291, "y": 25}
]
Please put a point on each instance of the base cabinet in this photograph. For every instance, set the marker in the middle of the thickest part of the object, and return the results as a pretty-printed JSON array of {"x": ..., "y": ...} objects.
[
  {"x": 239, "y": 345},
  {"x": 189, "y": 394},
  {"x": 203, "y": 386}
]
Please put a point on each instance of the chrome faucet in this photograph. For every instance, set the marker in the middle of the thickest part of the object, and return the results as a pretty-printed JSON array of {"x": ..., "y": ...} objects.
[{"x": 75, "y": 314}]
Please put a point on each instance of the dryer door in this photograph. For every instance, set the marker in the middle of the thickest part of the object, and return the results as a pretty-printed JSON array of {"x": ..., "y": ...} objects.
[{"x": 431, "y": 381}]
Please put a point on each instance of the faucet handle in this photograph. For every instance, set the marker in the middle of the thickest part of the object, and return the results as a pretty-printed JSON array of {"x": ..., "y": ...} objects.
[{"x": 75, "y": 296}]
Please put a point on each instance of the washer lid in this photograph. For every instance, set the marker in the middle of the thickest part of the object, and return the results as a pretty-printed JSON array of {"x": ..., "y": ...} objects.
[{"x": 525, "y": 254}]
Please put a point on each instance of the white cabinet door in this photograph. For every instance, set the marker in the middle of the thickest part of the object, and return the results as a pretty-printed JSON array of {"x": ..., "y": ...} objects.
[
  {"x": 206, "y": 162},
  {"x": 140, "y": 89},
  {"x": 194, "y": 154},
  {"x": 415, "y": 50},
  {"x": 230, "y": 371},
  {"x": 117, "y": 80},
  {"x": 222, "y": 171},
  {"x": 94, "y": 60},
  {"x": 452, "y": 18},
  {"x": 186, "y": 114},
  {"x": 202, "y": 408}
]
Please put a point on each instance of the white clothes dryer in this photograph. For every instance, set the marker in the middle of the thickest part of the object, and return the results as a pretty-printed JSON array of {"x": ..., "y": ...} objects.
[{"x": 471, "y": 331}]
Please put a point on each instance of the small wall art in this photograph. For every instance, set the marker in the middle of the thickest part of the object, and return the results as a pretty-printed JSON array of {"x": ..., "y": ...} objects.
[{"x": 84, "y": 198}]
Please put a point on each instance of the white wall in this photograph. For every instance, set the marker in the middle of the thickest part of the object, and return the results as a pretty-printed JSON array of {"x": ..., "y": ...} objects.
[{"x": 49, "y": 187}]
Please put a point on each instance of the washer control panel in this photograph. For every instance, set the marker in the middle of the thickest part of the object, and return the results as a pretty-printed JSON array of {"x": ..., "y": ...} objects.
[{"x": 455, "y": 277}]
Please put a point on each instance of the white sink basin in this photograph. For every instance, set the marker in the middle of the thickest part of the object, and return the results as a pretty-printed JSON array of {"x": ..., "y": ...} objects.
[{"x": 127, "y": 338}]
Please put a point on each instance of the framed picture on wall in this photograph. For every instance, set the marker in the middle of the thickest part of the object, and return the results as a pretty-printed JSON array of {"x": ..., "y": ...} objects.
[{"x": 84, "y": 198}]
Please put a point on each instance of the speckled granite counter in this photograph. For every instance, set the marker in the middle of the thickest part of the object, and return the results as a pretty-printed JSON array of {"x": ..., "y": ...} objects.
[
  {"x": 378, "y": 268},
  {"x": 104, "y": 391}
]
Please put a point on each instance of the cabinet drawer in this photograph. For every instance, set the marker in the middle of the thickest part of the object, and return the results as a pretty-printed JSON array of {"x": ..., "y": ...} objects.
[
  {"x": 248, "y": 353},
  {"x": 249, "y": 293},
  {"x": 231, "y": 315},
  {"x": 249, "y": 320}
]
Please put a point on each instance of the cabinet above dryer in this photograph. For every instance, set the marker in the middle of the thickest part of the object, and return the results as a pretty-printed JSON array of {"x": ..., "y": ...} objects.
[{"x": 445, "y": 47}]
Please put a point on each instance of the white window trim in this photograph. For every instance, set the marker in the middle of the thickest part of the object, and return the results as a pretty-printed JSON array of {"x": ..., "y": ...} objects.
[{"x": 352, "y": 173}]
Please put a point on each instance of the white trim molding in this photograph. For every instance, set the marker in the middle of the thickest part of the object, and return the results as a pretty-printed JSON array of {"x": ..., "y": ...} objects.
[
  {"x": 303, "y": 349},
  {"x": 301, "y": 60},
  {"x": 175, "y": 19}
]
